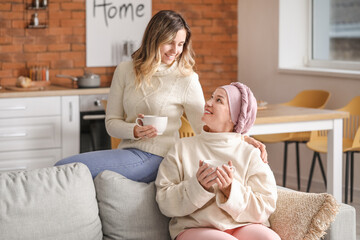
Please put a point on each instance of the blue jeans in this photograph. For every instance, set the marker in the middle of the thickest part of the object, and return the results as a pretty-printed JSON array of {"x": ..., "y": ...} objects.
[{"x": 132, "y": 163}]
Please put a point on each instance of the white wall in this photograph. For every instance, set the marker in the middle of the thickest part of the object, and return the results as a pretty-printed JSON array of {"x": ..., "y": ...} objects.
[{"x": 258, "y": 68}]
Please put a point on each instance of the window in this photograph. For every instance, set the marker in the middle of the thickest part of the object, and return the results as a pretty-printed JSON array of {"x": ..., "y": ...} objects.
[{"x": 335, "y": 34}]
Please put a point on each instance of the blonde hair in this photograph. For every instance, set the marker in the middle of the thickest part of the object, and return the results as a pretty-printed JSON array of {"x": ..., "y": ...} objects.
[{"x": 161, "y": 29}]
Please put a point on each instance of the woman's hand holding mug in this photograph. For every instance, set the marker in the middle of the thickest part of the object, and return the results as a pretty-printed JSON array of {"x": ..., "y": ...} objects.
[
  {"x": 148, "y": 126},
  {"x": 206, "y": 175}
]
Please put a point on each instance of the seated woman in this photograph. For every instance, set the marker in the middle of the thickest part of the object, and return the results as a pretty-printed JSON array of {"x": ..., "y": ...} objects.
[{"x": 231, "y": 201}]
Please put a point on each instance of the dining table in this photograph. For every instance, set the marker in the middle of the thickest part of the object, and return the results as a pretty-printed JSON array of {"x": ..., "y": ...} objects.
[{"x": 278, "y": 118}]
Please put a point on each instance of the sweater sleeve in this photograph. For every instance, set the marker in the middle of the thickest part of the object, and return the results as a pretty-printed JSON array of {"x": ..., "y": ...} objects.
[
  {"x": 175, "y": 196},
  {"x": 115, "y": 122},
  {"x": 255, "y": 200},
  {"x": 194, "y": 103}
]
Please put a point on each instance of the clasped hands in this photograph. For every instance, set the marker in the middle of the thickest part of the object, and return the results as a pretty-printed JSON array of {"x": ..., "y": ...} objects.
[{"x": 223, "y": 176}]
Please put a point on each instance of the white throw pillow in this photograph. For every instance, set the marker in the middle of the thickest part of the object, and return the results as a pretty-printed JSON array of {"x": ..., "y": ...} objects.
[
  {"x": 128, "y": 209},
  {"x": 49, "y": 203}
]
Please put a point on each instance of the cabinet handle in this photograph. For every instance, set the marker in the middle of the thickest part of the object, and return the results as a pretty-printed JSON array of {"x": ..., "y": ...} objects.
[
  {"x": 13, "y": 108},
  {"x": 20, "y": 134},
  {"x": 94, "y": 117},
  {"x": 12, "y": 169},
  {"x": 70, "y": 112}
]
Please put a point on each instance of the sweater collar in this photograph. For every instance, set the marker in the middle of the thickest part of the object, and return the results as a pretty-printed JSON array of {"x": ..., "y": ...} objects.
[
  {"x": 165, "y": 69},
  {"x": 222, "y": 137}
]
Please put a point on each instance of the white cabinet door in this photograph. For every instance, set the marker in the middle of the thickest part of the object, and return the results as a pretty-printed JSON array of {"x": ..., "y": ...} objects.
[
  {"x": 27, "y": 160},
  {"x": 70, "y": 125},
  {"x": 30, "y": 133},
  {"x": 36, "y": 132},
  {"x": 29, "y": 107}
]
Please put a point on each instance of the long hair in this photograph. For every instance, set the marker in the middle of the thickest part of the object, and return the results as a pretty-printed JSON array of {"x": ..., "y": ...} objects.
[{"x": 161, "y": 29}]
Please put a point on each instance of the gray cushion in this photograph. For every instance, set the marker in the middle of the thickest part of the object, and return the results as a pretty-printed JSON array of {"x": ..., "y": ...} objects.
[
  {"x": 128, "y": 209},
  {"x": 49, "y": 203}
]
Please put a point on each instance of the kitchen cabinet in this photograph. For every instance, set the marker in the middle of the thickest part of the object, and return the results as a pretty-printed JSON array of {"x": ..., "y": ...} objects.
[
  {"x": 70, "y": 126},
  {"x": 26, "y": 160},
  {"x": 38, "y": 131}
]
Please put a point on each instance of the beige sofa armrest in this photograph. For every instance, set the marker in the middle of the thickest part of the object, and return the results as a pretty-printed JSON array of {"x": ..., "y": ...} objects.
[
  {"x": 301, "y": 215},
  {"x": 344, "y": 226}
]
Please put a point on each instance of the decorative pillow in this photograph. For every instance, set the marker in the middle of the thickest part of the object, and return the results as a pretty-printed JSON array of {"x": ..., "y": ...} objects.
[
  {"x": 128, "y": 209},
  {"x": 301, "y": 215},
  {"x": 49, "y": 203}
]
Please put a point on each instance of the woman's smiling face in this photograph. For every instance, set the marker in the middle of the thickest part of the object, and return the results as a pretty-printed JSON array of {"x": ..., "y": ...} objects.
[
  {"x": 217, "y": 112},
  {"x": 170, "y": 51}
]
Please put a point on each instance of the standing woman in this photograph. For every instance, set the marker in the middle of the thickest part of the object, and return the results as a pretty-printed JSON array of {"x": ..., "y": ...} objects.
[{"x": 159, "y": 80}]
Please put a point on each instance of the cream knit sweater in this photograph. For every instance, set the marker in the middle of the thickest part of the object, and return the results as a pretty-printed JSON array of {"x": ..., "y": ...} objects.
[
  {"x": 170, "y": 95},
  {"x": 180, "y": 196}
]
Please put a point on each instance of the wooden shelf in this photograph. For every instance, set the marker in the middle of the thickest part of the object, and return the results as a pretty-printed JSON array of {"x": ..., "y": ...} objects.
[
  {"x": 41, "y": 11},
  {"x": 36, "y": 8},
  {"x": 37, "y": 27}
]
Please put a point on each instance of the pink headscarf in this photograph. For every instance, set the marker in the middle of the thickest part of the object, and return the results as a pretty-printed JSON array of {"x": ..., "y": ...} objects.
[{"x": 243, "y": 106}]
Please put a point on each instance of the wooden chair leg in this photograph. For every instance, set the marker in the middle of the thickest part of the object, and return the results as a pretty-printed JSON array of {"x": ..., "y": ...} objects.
[
  {"x": 285, "y": 163},
  {"x": 311, "y": 172},
  {"x": 298, "y": 164}
]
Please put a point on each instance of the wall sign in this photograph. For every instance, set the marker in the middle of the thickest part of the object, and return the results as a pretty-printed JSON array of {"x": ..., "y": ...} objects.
[{"x": 114, "y": 30}]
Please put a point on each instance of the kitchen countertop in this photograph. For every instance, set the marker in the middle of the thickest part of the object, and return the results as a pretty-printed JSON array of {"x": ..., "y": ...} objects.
[{"x": 52, "y": 90}]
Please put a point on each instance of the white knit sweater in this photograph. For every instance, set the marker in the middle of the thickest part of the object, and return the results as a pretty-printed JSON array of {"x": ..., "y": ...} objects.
[
  {"x": 170, "y": 95},
  {"x": 180, "y": 196}
]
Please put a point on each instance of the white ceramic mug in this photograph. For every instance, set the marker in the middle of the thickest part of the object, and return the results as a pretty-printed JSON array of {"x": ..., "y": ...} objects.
[
  {"x": 216, "y": 163},
  {"x": 158, "y": 122}
]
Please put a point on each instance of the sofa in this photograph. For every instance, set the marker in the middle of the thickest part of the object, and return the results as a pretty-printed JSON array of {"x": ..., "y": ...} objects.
[{"x": 64, "y": 202}]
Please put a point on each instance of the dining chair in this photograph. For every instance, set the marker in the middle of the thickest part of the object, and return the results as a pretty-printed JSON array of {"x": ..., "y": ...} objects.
[
  {"x": 355, "y": 148},
  {"x": 318, "y": 139},
  {"x": 307, "y": 99},
  {"x": 185, "y": 129}
]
